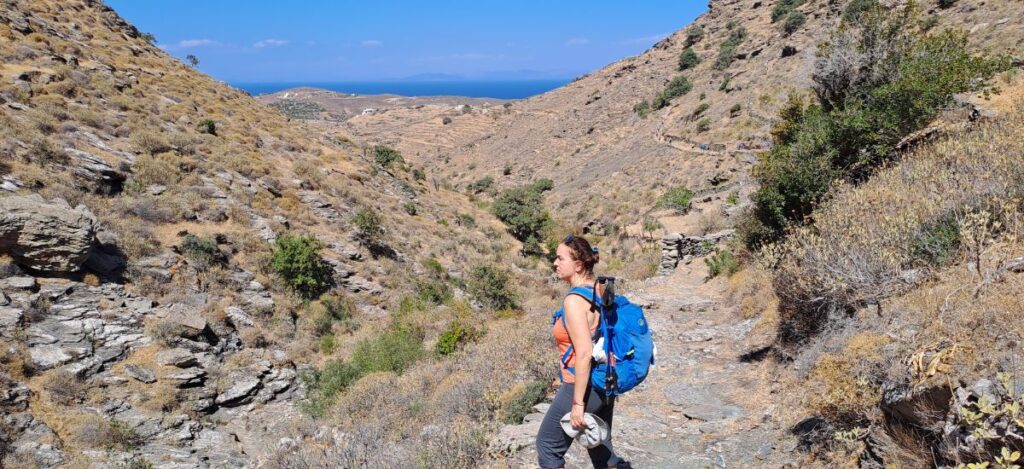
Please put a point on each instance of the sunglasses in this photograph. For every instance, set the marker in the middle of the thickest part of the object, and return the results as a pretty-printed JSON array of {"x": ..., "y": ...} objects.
[{"x": 571, "y": 238}]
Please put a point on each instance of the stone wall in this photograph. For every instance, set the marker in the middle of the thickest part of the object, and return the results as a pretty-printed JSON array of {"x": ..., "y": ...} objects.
[{"x": 676, "y": 248}]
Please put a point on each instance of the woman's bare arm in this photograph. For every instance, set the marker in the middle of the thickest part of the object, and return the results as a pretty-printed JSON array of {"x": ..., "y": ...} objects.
[{"x": 577, "y": 323}]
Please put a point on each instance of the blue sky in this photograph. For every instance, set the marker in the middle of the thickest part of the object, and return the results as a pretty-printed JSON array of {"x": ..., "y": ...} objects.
[{"x": 274, "y": 41}]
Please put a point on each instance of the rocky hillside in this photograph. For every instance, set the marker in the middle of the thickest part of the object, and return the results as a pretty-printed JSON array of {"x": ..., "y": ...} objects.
[
  {"x": 146, "y": 314},
  {"x": 610, "y": 159}
]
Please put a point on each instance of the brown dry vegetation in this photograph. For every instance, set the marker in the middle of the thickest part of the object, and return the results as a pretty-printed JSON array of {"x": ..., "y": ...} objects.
[{"x": 863, "y": 314}]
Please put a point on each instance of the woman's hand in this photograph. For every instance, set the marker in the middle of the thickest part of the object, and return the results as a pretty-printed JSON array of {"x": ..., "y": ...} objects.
[{"x": 576, "y": 417}]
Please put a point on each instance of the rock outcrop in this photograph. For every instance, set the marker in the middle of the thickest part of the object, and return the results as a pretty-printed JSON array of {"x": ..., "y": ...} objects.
[{"x": 46, "y": 236}]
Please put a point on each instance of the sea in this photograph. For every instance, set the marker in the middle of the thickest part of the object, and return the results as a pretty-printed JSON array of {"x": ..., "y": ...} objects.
[{"x": 513, "y": 89}]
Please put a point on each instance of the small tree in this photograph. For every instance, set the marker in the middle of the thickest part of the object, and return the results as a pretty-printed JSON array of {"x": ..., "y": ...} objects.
[
  {"x": 207, "y": 126},
  {"x": 490, "y": 286},
  {"x": 523, "y": 211},
  {"x": 679, "y": 86},
  {"x": 296, "y": 259},
  {"x": 192, "y": 60},
  {"x": 688, "y": 59},
  {"x": 386, "y": 156},
  {"x": 677, "y": 198},
  {"x": 693, "y": 35},
  {"x": 368, "y": 226}
]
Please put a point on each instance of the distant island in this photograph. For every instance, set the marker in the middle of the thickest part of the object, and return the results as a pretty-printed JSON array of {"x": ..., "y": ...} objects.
[{"x": 499, "y": 89}]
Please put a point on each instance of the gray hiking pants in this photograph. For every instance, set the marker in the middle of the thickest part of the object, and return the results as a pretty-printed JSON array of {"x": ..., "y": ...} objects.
[{"x": 552, "y": 442}]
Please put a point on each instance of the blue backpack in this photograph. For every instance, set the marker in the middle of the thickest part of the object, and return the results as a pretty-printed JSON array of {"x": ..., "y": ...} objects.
[{"x": 628, "y": 344}]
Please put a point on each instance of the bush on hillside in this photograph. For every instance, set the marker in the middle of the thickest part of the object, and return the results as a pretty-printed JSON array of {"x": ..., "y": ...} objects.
[
  {"x": 207, "y": 126},
  {"x": 491, "y": 287},
  {"x": 679, "y": 86},
  {"x": 793, "y": 22},
  {"x": 485, "y": 184},
  {"x": 874, "y": 85},
  {"x": 522, "y": 209},
  {"x": 458, "y": 334},
  {"x": 722, "y": 262},
  {"x": 642, "y": 108},
  {"x": 677, "y": 198},
  {"x": 727, "y": 51},
  {"x": 688, "y": 59},
  {"x": 693, "y": 35},
  {"x": 369, "y": 228},
  {"x": 201, "y": 252},
  {"x": 296, "y": 259},
  {"x": 783, "y": 8},
  {"x": 386, "y": 156}
]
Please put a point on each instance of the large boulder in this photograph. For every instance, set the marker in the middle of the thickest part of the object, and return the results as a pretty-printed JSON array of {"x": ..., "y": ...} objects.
[{"x": 46, "y": 236}]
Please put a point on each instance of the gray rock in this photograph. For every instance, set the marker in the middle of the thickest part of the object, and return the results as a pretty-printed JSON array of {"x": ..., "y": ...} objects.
[
  {"x": 190, "y": 321},
  {"x": 9, "y": 318},
  {"x": 4, "y": 299},
  {"x": 140, "y": 373},
  {"x": 185, "y": 378},
  {"x": 238, "y": 317},
  {"x": 180, "y": 358},
  {"x": 20, "y": 283},
  {"x": 100, "y": 176},
  {"x": 236, "y": 394},
  {"x": 1015, "y": 265},
  {"x": 45, "y": 357},
  {"x": 46, "y": 236},
  {"x": 711, "y": 412}
]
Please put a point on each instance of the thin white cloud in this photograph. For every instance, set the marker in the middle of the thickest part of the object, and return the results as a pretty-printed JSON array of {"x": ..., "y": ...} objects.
[
  {"x": 460, "y": 56},
  {"x": 191, "y": 44},
  {"x": 646, "y": 39},
  {"x": 269, "y": 43},
  {"x": 577, "y": 41},
  {"x": 371, "y": 43}
]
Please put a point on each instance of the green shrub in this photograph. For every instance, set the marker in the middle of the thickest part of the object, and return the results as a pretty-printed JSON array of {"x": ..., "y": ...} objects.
[
  {"x": 703, "y": 125},
  {"x": 679, "y": 86},
  {"x": 458, "y": 334},
  {"x": 386, "y": 156},
  {"x": 938, "y": 242},
  {"x": 410, "y": 208},
  {"x": 722, "y": 262},
  {"x": 727, "y": 51},
  {"x": 123, "y": 436},
  {"x": 437, "y": 292},
  {"x": 435, "y": 268},
  {"x": 856, "y": 8},
  {"x": 368, "y": 226},
  {"x": 202, "y": 252},
  {"x": 522, "y": 209},
  {"x": 735, "y": 109},
  {"x": 724, "y": 86},
  {"x": 523, "y": 401},
  {"x": 393, "y": 351},
  {"x": 446, "y": 120},
  {"x": 784, "y": 7},
  {"x": 642, "y": 109},
  {"x": 419, "y": 175},
  {"x": 688, "y": 59},
  {"x": 929, "y": 22},
  {"x": 793, "y": 22},
  {"x": 700, "y": 109},
  {"x": 324, "y": 384},
  {"x": 485, "y": 184},
  {"x": 327, "y": 344},
  {"x": 678, "y": 199},
  {"x": 733, "y": 198},
  {"x": 207, "y": 126},
  {"x": 865, "y": 107},
  {"x": 490, "y": 286},
  {"x": 296, "y": 259},
  {"x": 693, "y": 35}
]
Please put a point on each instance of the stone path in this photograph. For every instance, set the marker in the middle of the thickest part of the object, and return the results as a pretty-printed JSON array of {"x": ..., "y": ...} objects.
[{"x": 702, "y": 407}]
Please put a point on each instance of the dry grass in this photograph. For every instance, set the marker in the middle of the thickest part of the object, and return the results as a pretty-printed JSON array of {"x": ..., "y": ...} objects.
[{"x": 861, "y": 241}]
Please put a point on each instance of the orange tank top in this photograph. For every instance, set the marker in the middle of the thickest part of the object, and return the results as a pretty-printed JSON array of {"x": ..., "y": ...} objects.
[{"x": 563, "y": 342}]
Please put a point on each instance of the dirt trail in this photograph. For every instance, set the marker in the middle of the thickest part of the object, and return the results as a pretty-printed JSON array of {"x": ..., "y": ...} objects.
[{"x": 703, "y": 406}]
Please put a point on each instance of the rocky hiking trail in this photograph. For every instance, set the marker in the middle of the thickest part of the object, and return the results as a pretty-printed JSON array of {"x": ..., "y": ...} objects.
[{"x": 707, "y": 403}]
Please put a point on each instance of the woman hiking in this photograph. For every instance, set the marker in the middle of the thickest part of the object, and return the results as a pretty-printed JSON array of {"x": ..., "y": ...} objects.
[{"x": 575, "y": 325}]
